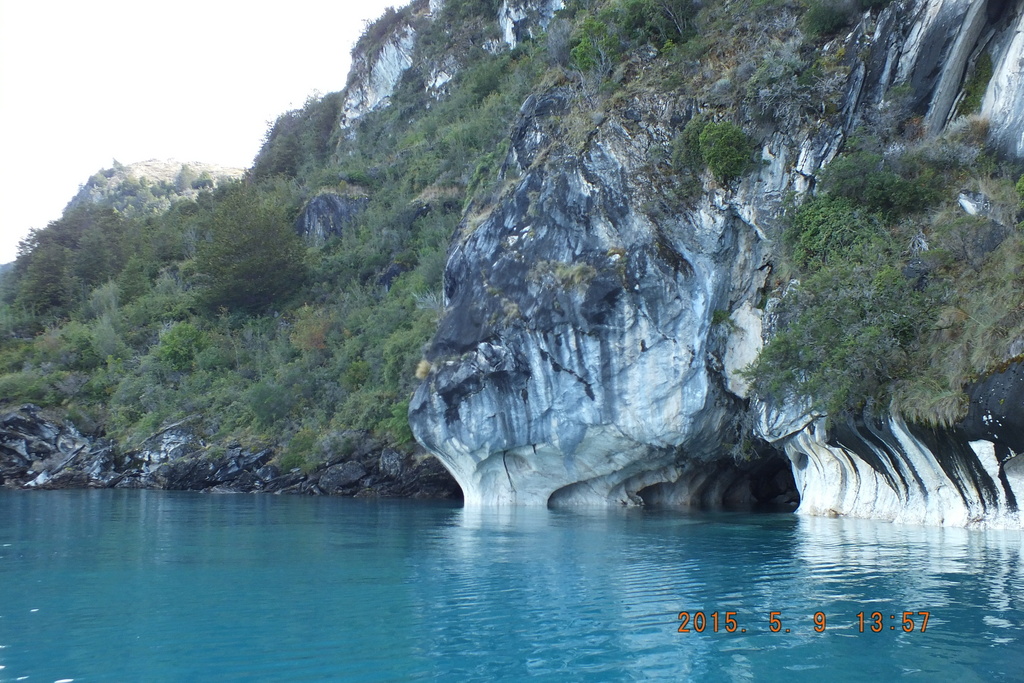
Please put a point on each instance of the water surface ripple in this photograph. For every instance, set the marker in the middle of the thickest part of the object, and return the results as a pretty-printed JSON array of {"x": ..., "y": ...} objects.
[{"x": 163, "y": 586}]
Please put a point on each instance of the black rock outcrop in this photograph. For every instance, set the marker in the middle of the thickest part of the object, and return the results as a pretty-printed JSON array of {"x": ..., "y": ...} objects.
[{"x": 38, "y": 451}]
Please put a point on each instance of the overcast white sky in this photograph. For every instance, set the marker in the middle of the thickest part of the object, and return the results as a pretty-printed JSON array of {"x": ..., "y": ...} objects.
[{"x": 84, "y": 83}]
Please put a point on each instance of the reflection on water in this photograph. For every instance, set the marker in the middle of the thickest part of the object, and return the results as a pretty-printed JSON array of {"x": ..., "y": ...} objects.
[
  {"x": 969, "y": 579},
  {"x": 164, "y": 586}
]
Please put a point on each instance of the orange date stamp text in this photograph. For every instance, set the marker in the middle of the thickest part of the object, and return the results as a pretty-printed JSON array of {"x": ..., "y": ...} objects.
[{"x": 731, "y": 622}]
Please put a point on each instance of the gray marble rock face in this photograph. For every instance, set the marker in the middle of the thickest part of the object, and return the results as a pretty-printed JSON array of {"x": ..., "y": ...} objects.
[
  {"x": 519, "y": 19},
  {"x": 327, "y": 215},
  {"x": 576, "y": 363},
  {"x": 1003, "y": 104},
  {"x": 970, "y": 474},
  {"x": 374, "y": 76},
  {"x": 375, "y": 73}
]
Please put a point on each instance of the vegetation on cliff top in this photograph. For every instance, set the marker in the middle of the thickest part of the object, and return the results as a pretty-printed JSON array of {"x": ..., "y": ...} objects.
[{"x": 901, "y": 297}]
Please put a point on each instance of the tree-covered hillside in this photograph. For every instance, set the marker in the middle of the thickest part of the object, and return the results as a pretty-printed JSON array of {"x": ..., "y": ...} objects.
[{"x": 129, "y": 317}]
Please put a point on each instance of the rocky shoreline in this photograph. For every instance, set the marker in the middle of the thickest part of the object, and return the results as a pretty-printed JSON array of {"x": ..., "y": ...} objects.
[{"x": 40, "y": 451}]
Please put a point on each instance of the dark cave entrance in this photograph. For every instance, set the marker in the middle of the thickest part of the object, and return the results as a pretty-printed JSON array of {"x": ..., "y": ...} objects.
[{"x": 765, "y": 484}]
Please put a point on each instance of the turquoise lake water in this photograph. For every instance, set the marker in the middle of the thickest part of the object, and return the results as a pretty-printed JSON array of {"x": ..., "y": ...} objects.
[{"x": 164, "y": 586}]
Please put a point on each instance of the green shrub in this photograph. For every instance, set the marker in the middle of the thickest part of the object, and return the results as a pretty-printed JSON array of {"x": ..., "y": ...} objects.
[
  {"x": 103, "y": 300},
  {"x": 850, "y": 330},
  {"x": 27, "y": 386},
  {"x": 577, "y": 276},
  {"x": 179, "y": 345},
  {"x": 79, "y": 347},
  {"x": 848, "y": 174},
  {"x": 895, "y": 195},
  {"x": 269, "y": 402},
  {"x": 826, "y": 17},
  {"x": 726, "y": 149},
  {"x": 895, "y": 308},
  {"x": 215, "y": 356},
  {"x": 598, "y": 45},
  {"x": 721, "y": 317},
  {"x": 974, "y": 88},
  {"x": 377, "y": 32},
  {"x": 458, "y": 11},
  {"x": 14, "y": 354},
  {"x": 356, "y": 375},
  {"x": 397, "y": 425},
  {"x": 365, "y": 409},
  {"x": 686, "y": 146},
  {"x": 595, "y": 47},
  {"x": 107, "y": 340},
  {"x": 584, "y": 55},
  {"x": 864, "y": 177},
  {"x": 300, "y": 452},
  {"x": 824, "y": 228}
]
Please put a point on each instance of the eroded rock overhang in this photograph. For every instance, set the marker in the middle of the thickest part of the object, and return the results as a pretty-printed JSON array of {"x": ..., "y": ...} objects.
[{"x": 576, "y": 363}]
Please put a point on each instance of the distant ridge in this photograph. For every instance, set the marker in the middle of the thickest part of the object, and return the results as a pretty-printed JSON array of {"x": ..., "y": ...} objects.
[{"x": 151, "y": 186}]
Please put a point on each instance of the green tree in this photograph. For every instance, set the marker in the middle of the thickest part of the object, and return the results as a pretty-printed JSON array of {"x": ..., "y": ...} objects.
[
  {"x": 253, "y": 257},
  {"x": 186, "y": 178},
  {"x": 597, "y": 45},
  {"x": 45, "y": 286},
  {"x": 657, "y": 21},
  {"x": 58, "y": 265},
  {"x": 726, "y": 150}
]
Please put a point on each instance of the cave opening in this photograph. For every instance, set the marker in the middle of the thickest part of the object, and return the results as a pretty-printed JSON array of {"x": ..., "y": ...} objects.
[{"x": 765, "y": 484}]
